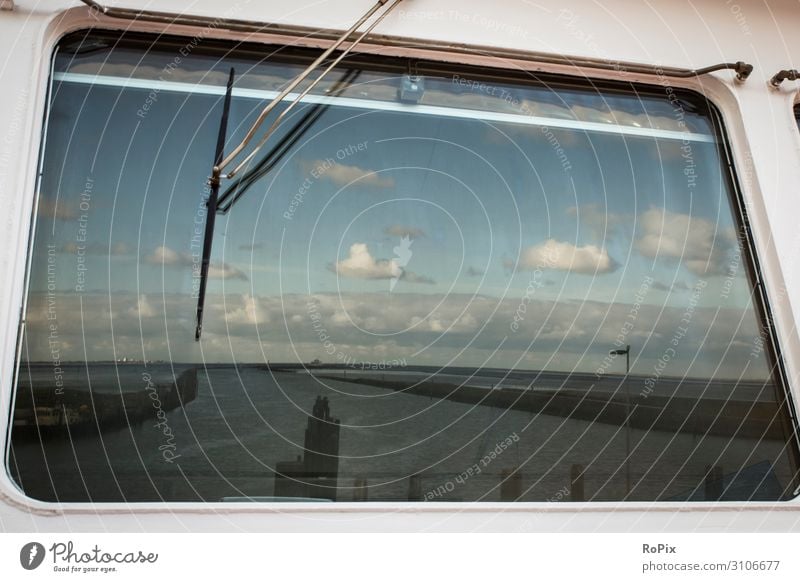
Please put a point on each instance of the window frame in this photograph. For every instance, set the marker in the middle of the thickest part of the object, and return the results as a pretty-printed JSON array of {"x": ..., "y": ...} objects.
[
  {"x": 491, "y": 71},
  {"x": 796, "y": 110}
]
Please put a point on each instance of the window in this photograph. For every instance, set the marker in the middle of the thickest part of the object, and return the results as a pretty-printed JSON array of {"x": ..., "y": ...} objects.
[{"x": 448, "y": 286}]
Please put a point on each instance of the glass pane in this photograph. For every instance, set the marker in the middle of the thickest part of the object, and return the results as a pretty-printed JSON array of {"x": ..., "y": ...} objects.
[{"x": 446, "y": 288}]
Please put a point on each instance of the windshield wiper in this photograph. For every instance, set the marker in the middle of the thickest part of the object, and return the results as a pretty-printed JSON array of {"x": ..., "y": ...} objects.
[
  {"x": 211, "y": 205},
  {"x": 222, "y": 203},
  {"x": 221, "y": 161}
]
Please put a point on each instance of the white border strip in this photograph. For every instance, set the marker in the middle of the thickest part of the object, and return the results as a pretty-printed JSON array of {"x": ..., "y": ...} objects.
[{"x": 475, "y": 114}]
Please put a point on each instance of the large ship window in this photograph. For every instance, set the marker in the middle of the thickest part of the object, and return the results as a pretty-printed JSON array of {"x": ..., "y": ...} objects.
[{"x": 445, "y": 286}]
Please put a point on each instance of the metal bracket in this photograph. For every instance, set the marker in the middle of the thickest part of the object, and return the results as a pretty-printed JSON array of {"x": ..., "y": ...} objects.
[
  {"x": 741, "y": 68},
  {"x": 784, "y": 75},
  {"x": 297, "y": 80}
]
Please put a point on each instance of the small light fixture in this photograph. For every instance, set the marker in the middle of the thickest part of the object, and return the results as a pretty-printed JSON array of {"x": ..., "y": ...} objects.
[{"x": 412, "y": 88}]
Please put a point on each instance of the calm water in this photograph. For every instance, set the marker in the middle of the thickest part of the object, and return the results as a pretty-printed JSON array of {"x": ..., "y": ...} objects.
[{"x": 227, "y": 442}]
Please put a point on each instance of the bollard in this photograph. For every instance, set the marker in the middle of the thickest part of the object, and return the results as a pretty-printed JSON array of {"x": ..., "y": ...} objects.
[
  {"x": 415, "y": 488},
  {"x": 360, "y": 489},
  {"x": 511, "y": 484},
  {"x": 713, "y": 483},
  {"x": 576, "y": 492}
]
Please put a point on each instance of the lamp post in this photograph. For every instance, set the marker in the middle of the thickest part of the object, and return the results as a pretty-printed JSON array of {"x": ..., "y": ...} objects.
[{"x": 627, "y": 353}]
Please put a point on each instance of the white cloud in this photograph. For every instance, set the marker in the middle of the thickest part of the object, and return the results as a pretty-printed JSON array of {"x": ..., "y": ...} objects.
[
  {"x": 166, "y": 256},
  {"x": 163, "y": 255},
  {"x": 143, "y": 308},
  {"x": 411, "y": 277},
  {"x": 400, "y": 230},
  {"x": 225, "y": 271},
  {"x": 667, "y": 288},
  {"x": 343, "y": 175},
  {"x": 248, "y": 312},
  {"x": 58, "y": 210},
  {"x": 597, "y": 220},
  {"x": 564, "y": 256},
  {"x": 360, "y": 264},
  {"x": 96, "y": 248},
  {"x": 698, "y": 243},
  {"x": 428, "y": 327}
]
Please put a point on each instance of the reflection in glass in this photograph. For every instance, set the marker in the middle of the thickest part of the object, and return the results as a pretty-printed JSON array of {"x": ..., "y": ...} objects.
[{"x": 415, "y": 299}]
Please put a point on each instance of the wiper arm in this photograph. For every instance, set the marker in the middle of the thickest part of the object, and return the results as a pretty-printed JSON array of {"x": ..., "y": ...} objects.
[
  {"x": 294, "y": 83},
  {"x": 223, "y": 203},
  {"x": 236, "y": 190},
  {"x": 221, "y": 161},
  {"x": 211, "y": 205}
]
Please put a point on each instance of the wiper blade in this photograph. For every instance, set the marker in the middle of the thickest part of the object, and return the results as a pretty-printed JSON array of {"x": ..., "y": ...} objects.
[
  {"x": 211, "y": 204},
  {"x": 223, "y": 203},
  {"x": 221, "y": 161}
]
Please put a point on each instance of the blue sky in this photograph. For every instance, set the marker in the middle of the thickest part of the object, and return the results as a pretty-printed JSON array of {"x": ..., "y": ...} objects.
[{"x": 480, "y": 211}]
